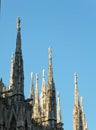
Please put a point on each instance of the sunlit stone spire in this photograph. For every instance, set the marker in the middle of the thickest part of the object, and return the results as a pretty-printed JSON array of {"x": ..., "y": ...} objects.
[
  {"x": 43, "y": 81},
  {"x": 76, "y": 89},
  {"x": 43, "y": 95},
  {"x": 37, "y": 91},
  {"x": 51, "y": 94},
  {"x": 12, "y": 70},
  {"x": 43, "y": 75},
  {"x": 36, "y": 105},
  {"x": 59, "y": 119},
  {"x": 86, "y": 126},
  {"x": 50, "y": 71},
  {"x": 81, "y": 101},
  {"x": 79, "y": 122},
  {"x": 50, "y": 55}
]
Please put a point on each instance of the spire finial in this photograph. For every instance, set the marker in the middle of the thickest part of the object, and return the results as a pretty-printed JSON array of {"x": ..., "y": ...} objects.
[
  {"x": 59, "y": 118},
  {"x": 43, "y": 75},
  {"x": 32, "y": 95},
  {"x": 18, "y": 24},
  {"x": 58, "y": 94},
  {"x": 32, "y": 77},
  {"x": 36, "y": 81},
  {"x": 81, "y": 100},
  {"x": 76, "y": 89},
  {"x": 75, "y": 78},
  {"x": 50, "y": 55},
  {"x": 86, "y": 126},
  {"x": 36, "y": 77}
]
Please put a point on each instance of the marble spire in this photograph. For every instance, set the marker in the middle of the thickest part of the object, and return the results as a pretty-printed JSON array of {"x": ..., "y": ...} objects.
[
  {"x": 50, "y": 71},
  {"x": 76, "y": 100},
  {"x": 18, "y": 72},
  {"x": 12, "y": 70},
  {"x": 32, "y": 94},
  {"x": 59, "y": 118}
]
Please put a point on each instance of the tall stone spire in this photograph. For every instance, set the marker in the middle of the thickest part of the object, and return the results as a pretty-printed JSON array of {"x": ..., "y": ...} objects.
[
  {"x": 37, "y": 91},
  {"x": 12, "y": 70},
  {"x": 43, "y": 95},
  {"x": 51, "y": 94},
  {"x": 59, "y": 118},
  {"x": 32, "y": 95},
  {"x": 50, "y": 70},
  {"x": 43, "y": 82},
  {"x": 18, "y": 73},
  {"x": 43, "y": 76},
  {"x": 76, "y": 100},
  {"x": 18, "y": 41},
  {"x": 36, "y": 112},
  {"x": 84, "y": 123},
  {"x": 79, "y": 122}
]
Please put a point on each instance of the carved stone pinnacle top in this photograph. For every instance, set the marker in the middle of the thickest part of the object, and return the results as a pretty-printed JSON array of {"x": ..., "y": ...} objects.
[
  {"x": 18, "y": 23},
  {"x": 50, "y": 55}
]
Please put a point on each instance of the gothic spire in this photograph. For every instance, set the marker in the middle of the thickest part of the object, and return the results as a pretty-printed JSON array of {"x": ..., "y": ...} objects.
[
  {"x": 59, "y": 119},
  {"x": 18, "y": 73},
  {"x": 51, "y": 94},
  {"x": 36, "y": 105},
  {"x": 79, "y": 122},
  {"x": 18, "y": 41},
  {"x": 32, "y": 85},
  {"x": 32, "y": 95},
  {"x": 12, "y": 70},
  {"x": 43, "y": 94},
  {"x": 37, "y": 91},
  {"x": 43, "y": 76},
  {"x": 43, "y": 81},
  {"x": 76, "y": 89},
  {"x": 50, "y": 71}
]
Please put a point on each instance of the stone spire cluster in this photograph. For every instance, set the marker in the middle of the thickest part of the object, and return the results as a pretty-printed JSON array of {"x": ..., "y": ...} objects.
[
  {"x": 38, "y": 112},
  {"x": 45, "y": 109},
  {"x": 79, "y": 122}
]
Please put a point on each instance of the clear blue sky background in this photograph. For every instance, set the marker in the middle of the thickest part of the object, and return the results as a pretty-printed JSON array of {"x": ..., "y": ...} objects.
[{"x": 69, "y": 27}]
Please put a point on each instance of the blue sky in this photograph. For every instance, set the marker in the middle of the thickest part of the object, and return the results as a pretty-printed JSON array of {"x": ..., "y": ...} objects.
[{"x": 69, "y": 27}]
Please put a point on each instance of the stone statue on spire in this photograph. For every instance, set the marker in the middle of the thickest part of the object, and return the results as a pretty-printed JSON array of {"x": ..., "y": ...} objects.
[
  {"x": 32, "y": 77},
  {"x": 50, "y": 55},
  {"x": 75, "y": 78},
  {"x": 18, "y": 23}
]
